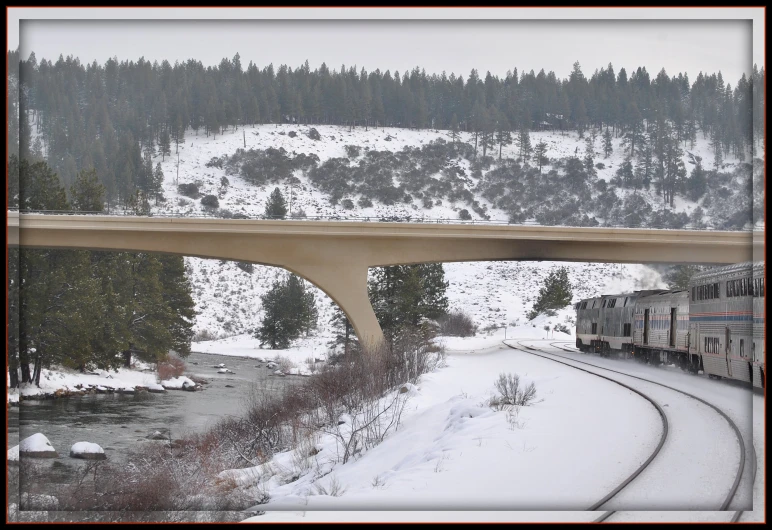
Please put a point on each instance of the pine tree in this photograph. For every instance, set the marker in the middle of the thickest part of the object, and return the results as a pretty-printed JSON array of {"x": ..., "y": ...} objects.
[
  {"x": 290, "y": 310},
  {"x": 157, "y": 181},
  {"x": 404, "y": 296},
  {"x": 454, "y": 134},
  {"x": 540, "y": 153},
  {"x": 589, "y": 162},
  {"x": 343, "y": 331},
  {"x": 88, "y": 194},
  {"x": 608, "y": 147},
  {"x": 697, "y": 184},
  {"x": 276, "y": 207},
  {"x": 554, "y": 294},
  {"x": 524, "y": 145},
  {"x": 165, "y": 144},
  {"x": 715, "y": 145},
  {"x": 177, "y": 295},
  {"x": 503, "y": 135}
]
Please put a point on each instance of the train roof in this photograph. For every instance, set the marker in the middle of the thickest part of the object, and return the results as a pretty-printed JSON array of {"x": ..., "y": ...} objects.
[
  {"x": 644, "y": 292},
  {"x": 663, "y": 295},
  {"x": 727, "y": 270}
]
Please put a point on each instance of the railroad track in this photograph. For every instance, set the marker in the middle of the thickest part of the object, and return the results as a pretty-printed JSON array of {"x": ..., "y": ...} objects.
[
  {"x": 741, "y": 442},
  {"x": 753, "y": 463}
]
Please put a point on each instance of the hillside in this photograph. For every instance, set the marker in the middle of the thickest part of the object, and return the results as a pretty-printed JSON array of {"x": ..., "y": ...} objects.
[{"x": 495, "y": 294}]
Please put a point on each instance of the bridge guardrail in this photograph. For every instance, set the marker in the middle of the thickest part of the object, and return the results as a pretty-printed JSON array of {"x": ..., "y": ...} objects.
[{"x": 380, "y": 219}]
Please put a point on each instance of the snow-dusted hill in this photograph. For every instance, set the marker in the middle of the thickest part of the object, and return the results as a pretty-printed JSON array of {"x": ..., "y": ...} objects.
[{"x": 495, "y": 294}]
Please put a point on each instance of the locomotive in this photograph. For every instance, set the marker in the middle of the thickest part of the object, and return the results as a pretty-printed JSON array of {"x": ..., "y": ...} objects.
[{"x": 716, "y": 325}]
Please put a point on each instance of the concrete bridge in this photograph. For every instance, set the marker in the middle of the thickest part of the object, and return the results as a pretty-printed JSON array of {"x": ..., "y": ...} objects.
[{"x": 335, "y": 255}]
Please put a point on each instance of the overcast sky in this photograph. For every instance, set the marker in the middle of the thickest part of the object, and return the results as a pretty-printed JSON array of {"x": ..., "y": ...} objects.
[{"x": 456, "y": 46}]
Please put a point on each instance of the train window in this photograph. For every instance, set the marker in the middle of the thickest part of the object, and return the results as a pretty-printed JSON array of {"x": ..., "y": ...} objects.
[
  {"x": 603, "y": 304},
  {"x": 742, "y": 347},
  {"x": 625, "y": 304},
  {"x": 594, "y": 328},
  {"x": 761, "y": 289},
  {"x": 627, "y": 330},
  {"x": 693, "y": 289},
  {"x": 717, "y": 290},
  {"x": 729, "y": 288}
]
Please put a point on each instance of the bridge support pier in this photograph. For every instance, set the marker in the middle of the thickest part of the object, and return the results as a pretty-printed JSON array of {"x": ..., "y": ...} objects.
[{"x": 346, "y": 284}]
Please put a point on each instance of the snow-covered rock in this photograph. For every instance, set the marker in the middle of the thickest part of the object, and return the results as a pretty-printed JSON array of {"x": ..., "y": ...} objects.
[
  {"x": 157, "y": 435},
  {"x": 37, "y": 446},
  {"x": 177, "y": 383},
  {"x": 13, "y": 454},
  {"x": 87, "y": 451},
  {"x": 156, "y": 388}
]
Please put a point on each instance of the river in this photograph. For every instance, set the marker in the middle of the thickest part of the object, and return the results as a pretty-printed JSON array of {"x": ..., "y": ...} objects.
[{"x": 119, "y": 422}]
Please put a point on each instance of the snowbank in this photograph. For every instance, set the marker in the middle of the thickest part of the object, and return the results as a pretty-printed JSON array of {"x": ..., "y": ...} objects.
[{"x": 13, "y": 454}]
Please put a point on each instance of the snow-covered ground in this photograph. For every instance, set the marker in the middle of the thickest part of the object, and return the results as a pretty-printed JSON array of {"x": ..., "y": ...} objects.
[{"x": 453, "y": 454}]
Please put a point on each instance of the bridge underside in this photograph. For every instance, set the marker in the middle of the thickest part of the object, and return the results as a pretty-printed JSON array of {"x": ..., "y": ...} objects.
[{"x": 336, "y": 256}]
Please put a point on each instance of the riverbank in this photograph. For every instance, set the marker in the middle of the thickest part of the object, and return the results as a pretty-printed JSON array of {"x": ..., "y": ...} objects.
[{"x": 62, "y": 382}]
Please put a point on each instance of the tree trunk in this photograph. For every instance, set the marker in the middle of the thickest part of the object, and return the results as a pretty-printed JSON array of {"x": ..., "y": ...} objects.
[
  {"x": 14, "y": 377},
  {"x": 38, "y": 369},
  {"x": 25, "y": 376},
  {"x": 127, "y": 358}
]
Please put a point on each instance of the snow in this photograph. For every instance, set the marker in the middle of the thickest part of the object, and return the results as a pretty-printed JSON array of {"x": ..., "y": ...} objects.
[
  {"x": 35, "y": 444},
  {"x": 71, "y": 381},
  {"x": 156, "y": 387},
  {"x": 454, "y": 452},
  {"x": 245, "y": 345},
  {"x": 85, "y": 447},
  {"x": 177, "y": 383},
  {"x": 453, "y": 455},
  {"x": 13, "y": 453}
]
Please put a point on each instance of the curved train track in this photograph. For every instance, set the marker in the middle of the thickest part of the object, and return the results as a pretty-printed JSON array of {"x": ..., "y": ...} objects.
[
  {"x": 738, "y": 434},
  {"x": 753, "y": 462}
]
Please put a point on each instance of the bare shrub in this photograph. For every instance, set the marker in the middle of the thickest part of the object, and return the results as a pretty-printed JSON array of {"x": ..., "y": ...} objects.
[
  {"x": 204, "y": 335},
  {"x": 457, "y": 324},
  {"x": 300, "y": 213},
  {"x": 170, "y": 367},
  {"x": 285, "y": 363},
  {"x": 334, "y": 490},
  {"x": 511, "y": 393}
]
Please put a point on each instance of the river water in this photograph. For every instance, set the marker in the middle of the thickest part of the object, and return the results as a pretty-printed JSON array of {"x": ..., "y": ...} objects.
[{"x": 119, "y": 422}]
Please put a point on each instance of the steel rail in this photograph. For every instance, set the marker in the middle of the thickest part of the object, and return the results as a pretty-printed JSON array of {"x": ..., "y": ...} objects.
[
  {"x": 732, "y": 424},
  {"x": 660, "y": 410}
]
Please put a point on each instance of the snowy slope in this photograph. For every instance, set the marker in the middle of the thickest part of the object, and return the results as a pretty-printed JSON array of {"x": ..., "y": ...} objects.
[
  {"x": 228, "y": 299},
  {"x": 497, "y": 293}
]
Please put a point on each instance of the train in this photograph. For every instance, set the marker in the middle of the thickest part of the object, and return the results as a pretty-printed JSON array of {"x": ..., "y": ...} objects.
[{"x": 716, "y": 326}]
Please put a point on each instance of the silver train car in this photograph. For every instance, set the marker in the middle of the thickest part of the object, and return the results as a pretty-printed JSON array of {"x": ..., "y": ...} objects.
[
  {"x": 726, "y": 321},
  {"x": 661, "y": 330},
  {"x": 716, "y": 326},
  {"x": 605, "y": 324}
]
